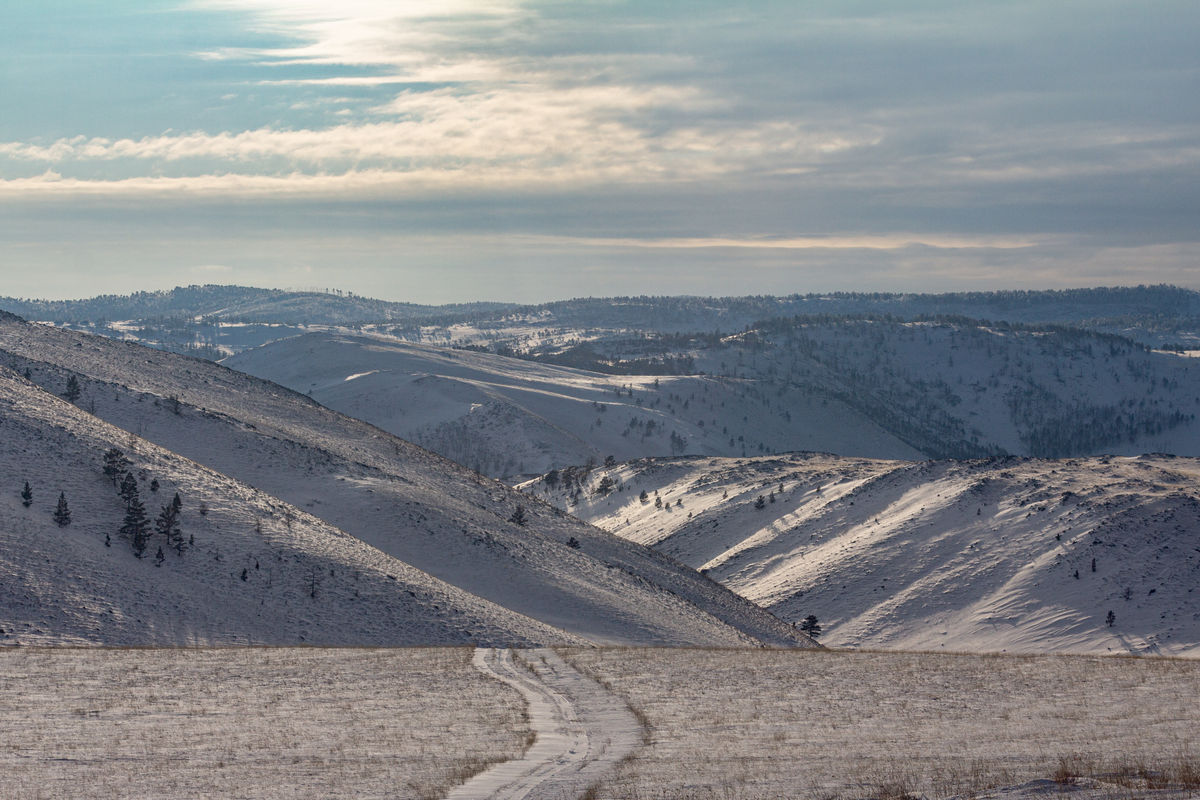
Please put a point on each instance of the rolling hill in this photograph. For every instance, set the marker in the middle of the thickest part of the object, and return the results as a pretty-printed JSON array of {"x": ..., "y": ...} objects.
[
  {"x": 401, "y": 500},
  {"x": 876, "y": 387},
  {"x": 509, "y": 417},
  {"x": 247, "y": 568},
  {"x": 1014, "y": 554}
]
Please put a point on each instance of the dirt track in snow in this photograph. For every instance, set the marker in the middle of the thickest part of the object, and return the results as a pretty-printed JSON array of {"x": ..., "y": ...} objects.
[{"x": 583, "y": 730}]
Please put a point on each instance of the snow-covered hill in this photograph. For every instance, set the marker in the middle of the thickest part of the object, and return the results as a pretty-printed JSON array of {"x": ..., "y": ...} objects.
[
  {"x": 402, "y": 500},
  {"x": 1015, "y": 554},
  {"x": 248, "y": 568},
  {"x": 950, "y": 388},
  {"x": 508, "y": 417}
]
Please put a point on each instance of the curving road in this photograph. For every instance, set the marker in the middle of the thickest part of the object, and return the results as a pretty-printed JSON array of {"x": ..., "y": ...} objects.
[{"x": 583, "y": 730}]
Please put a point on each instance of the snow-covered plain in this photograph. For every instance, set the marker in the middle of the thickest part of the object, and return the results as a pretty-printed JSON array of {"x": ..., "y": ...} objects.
[
  {"x": 729, "y": 724},
  {"x": 564, "y": 581},
  {"x": 1016, "y": 554},
  {"x": 249, "y": 722},
  {"x": 751, "y": 725}
]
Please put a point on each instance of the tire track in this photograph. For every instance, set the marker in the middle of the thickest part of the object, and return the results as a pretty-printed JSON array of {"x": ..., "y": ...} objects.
[{"x": 583, "y": 730}]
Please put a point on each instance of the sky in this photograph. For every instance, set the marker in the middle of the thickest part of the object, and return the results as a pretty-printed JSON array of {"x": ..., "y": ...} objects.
[{"x": 454, "y": 150}]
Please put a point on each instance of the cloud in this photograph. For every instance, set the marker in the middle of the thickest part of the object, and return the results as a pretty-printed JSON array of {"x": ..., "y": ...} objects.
[{"x": 724, "y": 133}]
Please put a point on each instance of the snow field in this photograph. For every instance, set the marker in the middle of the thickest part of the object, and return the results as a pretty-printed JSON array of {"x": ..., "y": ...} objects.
[
  {"x": 249, "y": 722},
  {"x": 756, "y": 724},
  {"x": 513, "y": 417}
]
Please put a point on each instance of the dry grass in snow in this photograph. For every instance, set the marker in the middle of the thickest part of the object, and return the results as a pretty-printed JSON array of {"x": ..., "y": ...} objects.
[
  {"x": 249, "y": 723},
  {"x": 733, "y": 724}
]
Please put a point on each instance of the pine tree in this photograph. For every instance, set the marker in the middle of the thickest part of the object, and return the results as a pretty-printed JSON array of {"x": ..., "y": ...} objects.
[
  {"x": 760, "y": 503},
  {"x": 166, "y": 525},
  {"x": 129, "y": 488},
  {"x": 518, "y": 517},
  {"x": 114, "y": 464},
  {"x": 62, "y": 514},
  {"x": 27, "y": 495},
  {"x": 1111, "y": 619},
  {"x": 136, "y": 527},
  {"x": 72, "y": 391},
  {"x": 810, "y": 626}
]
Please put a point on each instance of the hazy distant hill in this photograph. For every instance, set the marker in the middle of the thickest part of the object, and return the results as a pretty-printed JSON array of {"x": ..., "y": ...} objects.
[
  {"x": 1012, "y": 554},
  {"x": 1149, "y": 314},
  {"x": 215, "y": 321},
  {"x": 237, "y": 304}
]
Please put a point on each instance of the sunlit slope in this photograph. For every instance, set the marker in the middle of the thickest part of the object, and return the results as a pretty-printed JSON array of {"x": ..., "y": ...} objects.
[
  {"x": 399, "y": 498},
  {"x": 1006, "y": 554}
]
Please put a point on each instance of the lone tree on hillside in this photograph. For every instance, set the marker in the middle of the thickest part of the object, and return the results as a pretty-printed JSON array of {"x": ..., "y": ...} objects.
[
  {"x": 810, "y": 626},
  {"x": 62, "y": 514},
  {"x": 518, "y": 517},
  {"x": 1111, "y": 619},
  {"x": 27, "y": 495},
  {"x": 72, "y": 391}
]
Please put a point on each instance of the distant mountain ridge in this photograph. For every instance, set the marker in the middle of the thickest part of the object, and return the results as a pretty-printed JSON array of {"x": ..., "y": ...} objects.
[
  {"x": 238, "y": 304},
  {"x": 1152, "y": 315}
]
